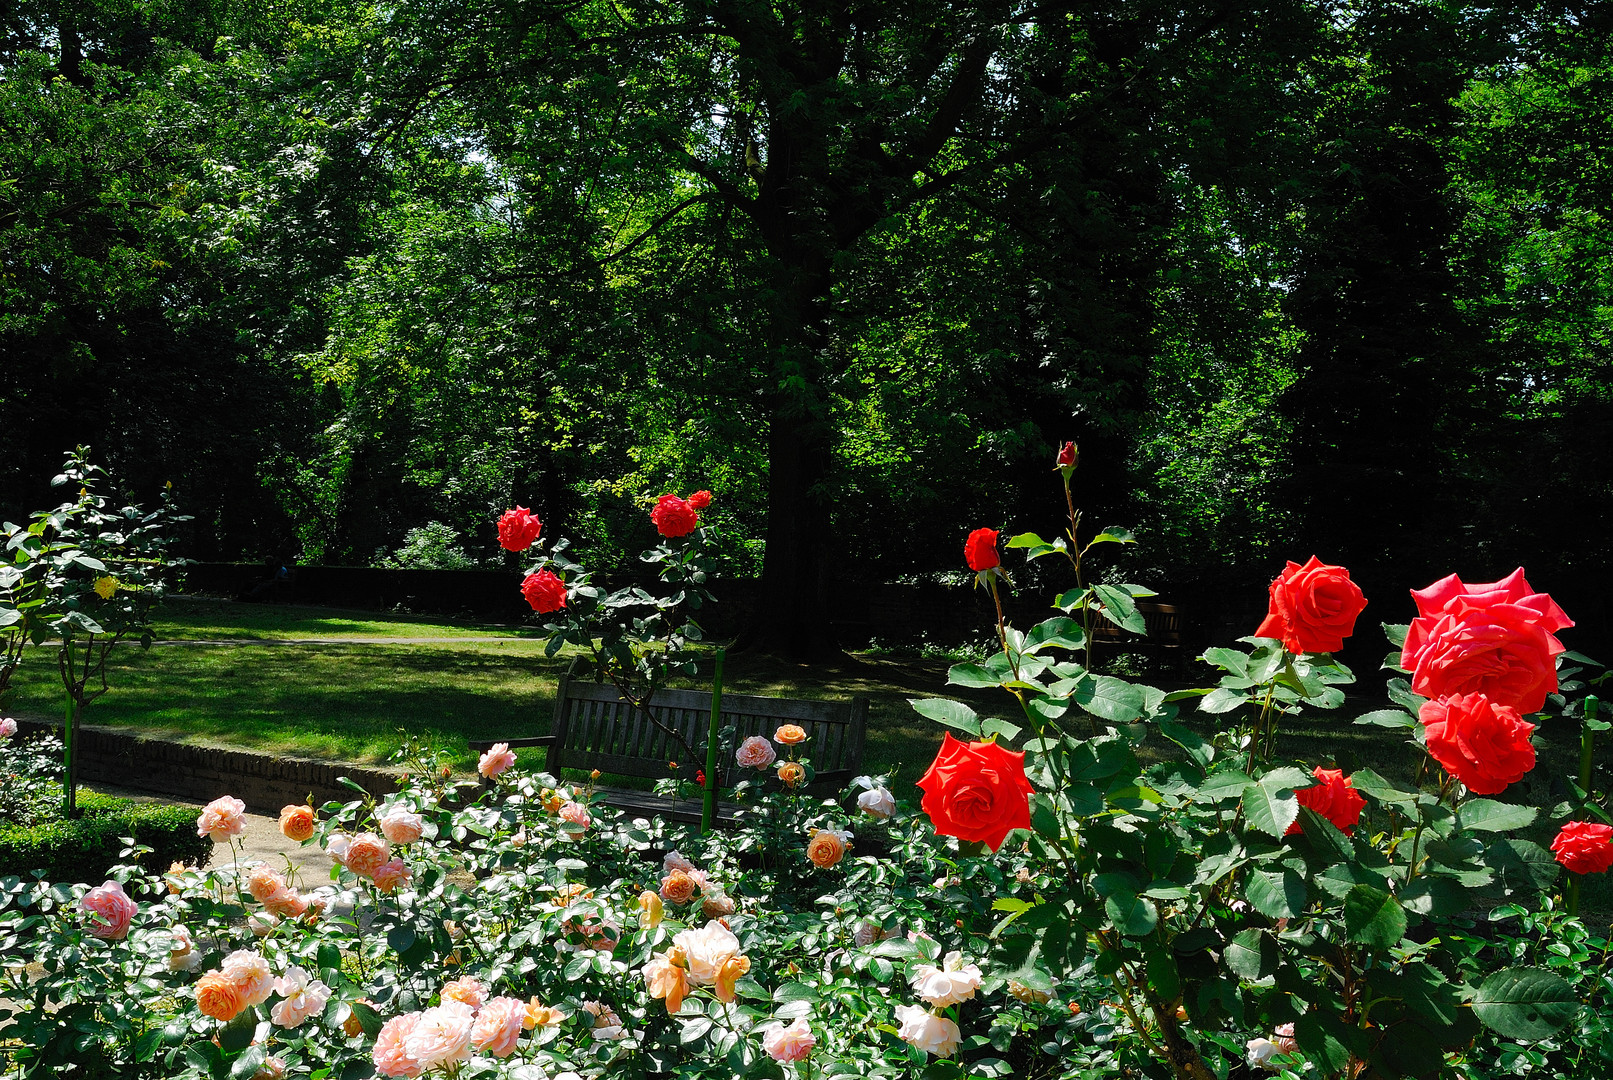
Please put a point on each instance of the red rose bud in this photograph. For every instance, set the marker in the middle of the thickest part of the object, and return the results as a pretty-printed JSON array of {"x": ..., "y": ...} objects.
[
  {"x": 980, "y": 550},
  {"x": 544, "y": 591},
  {"x": 977, "y": 791},
  {"x": 1334, "y": 797},
  {"x": 1494, "y": 639},
  {"x": 700, "y": 777},
  {"x": 1067, "y": 457},
  {"x": 518, "y": 529},
  {"x": 674, "y": 517},
  {"x": 1313, "y": 608},
  {"x": 1482, "y": 743},
  {"x": 1584, "y": 847},
  {"x": 700, "y": 500}
]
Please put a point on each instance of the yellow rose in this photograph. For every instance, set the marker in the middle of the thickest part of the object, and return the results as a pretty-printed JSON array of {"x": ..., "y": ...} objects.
[{"x": 105, "y": 586}]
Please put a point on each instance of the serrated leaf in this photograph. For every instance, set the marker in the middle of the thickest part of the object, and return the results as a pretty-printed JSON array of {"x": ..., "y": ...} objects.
[
  {"x": 1025, "y": 540},
  {"x": 971, "y": 675},
  {"x": 1221, "y": 700},
  {"x": 1276, "y": 894},
  {"x": 1373, "y": 917},
  {"x": 1525, "y": 1004},
  {"x": 1487, "y": 815},
  {"x": 1388, "y": 718},
  {"x": 1133, "y": 916},
  {"x": 1227, "y": 660},
  {"x": 1434, "y": 896},
  {"x": 1269, "y": 804},
  {"x": 954, "y": 714},
  {"x": 1252, "y": 955},
  {"x": 1119, "y": 608},
  {"x": 1108, "y": 698}
]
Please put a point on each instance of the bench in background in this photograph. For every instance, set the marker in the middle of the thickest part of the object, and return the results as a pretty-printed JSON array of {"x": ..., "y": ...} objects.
[{"x": 595, "y": 729}]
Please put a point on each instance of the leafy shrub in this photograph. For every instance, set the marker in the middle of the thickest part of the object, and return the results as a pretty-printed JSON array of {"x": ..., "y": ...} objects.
[
  {"x": 433, "y": 546},
  {"x": 86, "y": 848},
  {"x": 30, "y": 780}
]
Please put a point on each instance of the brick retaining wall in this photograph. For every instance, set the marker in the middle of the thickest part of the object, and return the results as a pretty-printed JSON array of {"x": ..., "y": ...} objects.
[{"x": 265, "y": 782}]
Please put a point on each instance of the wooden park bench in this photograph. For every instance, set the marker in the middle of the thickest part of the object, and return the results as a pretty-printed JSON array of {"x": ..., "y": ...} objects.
[
  {"x": 1164, "y": 623},
  {"x": 595, "y": 729}
]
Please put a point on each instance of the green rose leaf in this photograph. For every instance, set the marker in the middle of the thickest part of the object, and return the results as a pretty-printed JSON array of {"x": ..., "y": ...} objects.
[
  {"x": 1487, "y": 815},
  {"x": 1389, "y": 718},
  {"x": 1108, "y": 698},
  {"x": 1435, "y": 896},
  {"x": 1269, "y": 804},
  {"x": 1120, "y": 608},
  {"x": 954, "y": 714},
  {"x": 1373, "y": 917},
  {"x": 972, "y": 675},
  {"x": 1521, "y": 864},
  {"x": 1252, "y": 955},
  {"x": 1221, "y": 700},
  {"x": 1276, "y": 894},
  {"x": 1525, "y": 1003},
  {"x": 1132, "y": 915}
]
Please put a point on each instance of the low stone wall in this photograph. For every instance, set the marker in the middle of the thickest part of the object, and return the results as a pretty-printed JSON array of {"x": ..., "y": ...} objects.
[{"x": 265, "y": 782}]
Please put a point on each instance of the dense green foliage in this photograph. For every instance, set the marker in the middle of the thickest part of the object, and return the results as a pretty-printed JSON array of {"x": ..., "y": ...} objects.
[{"x": 1296, "y": 276}]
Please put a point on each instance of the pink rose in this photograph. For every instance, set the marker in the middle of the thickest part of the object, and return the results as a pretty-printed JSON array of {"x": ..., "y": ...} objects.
[
  {"x": 336, "y": 845},
  {"x": 498, "y": 1026},
  {"x": 756, "y": 753},
  {"x": 251, "y": 975},
  {"x": 575, "y": 813},
  {"x": 496, "y": 760},
  {"x": 467, "y": 990},
  {"x": 402, "y": 826},
  {"x": 8, "y": 728},
  {"x": 677, "y": 860},
  {"x": 391, "y": 1054},
  {"x": 301, "y": 998},
  {"x": 223, "y": 819},
  {"x": 392, "y": 875},
  {"x": 367, "y": 853},
  {"x": 791, "y": 1043},
  {"x": 264, "y": 883},
  {"x": 285, "y": 902},
  {"x": 518, "y": 529},
  {"x": 442, "y": 1035},
  {"x": 113, "y": 908},
  {"x": 929, "y": 1032}
]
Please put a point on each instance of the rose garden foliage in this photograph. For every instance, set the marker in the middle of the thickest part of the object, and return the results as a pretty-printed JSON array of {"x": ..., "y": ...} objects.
[{"x": 1125, "y": 893}]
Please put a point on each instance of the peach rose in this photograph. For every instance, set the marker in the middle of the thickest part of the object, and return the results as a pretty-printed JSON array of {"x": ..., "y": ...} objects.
[
  {"x": 262, "y": 923},
  {"x": 467, "y": 990},
  {"x": 401, "y": 826},
  {"x": 716, "y": 905},
  {"x": 297, "y": 822},
  {"x": 498, "y": 1026},
  {"x": 271, "y": 1069},
  {"x": 790, "y": 735},
  {"x": 1259, "y": 1053},
  {"x": 952, "y": 982},
  {"x": 706, "y": 950},
  {"x": 252, "y": 975},
  {"x": 755, "y": 753},
  {"x": 367, "y": 853},
  {"x": 1028, "y": 994},
  {"x": 301, "y": 998},
  {"x": 650, "y": 910},
  {"x": 826, "y": 848},
  {"x": 336, "y": 845},
  {"x": 223, "y": 819},
  {"x": 930, "y": 1033},
  {"x": 263, "y": 883},
  {"x": 219, "y": 996},
  {"x": 111, "y": 911},
  {"x": 496, "y": 760},
  {"x": 678, "y": 887},
  {"x": 540, "y": 1015},
  {"x": 667, "y": 977},
  {"x": 791, "y": 1043},
  {"x": 286, "y": 903},
  {"x": 392, "y": 875},
  {"x": 727, "y": 975},
  {"x": 442, "y": 1036},
  {"x": 791, "y": 773},
  {"x": 391, "y": 1054},
  {"x": 607, "y": 1025},
  {"x": 352, "y": 1026}
]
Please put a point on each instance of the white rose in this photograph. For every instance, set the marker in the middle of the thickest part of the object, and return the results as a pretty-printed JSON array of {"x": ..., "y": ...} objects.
[
  {"x": 1261, "y": 1051},
  {"x": 706, "y": 950},
  {"x": 949, "y": 984},
  {"x": 930, "y": 1033},
  {"x": 877, "y": 803}
]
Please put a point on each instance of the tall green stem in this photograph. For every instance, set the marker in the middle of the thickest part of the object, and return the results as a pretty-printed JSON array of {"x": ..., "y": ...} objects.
[
  {"x": 69, "y": 766},
  {"x": 708, "y": 808}
]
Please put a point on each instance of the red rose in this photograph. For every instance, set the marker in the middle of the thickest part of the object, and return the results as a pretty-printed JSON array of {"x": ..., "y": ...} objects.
[
  {"x": 1334, "y": 797},
  {"x": 674, "y": 516},
  {"x": 977, "y": 791},
  {"x": 1066, "y": 458},
  {"x": 1482, "y": 743},
  {"x": 518, "y": 529},
  {"x": 1585, "y": 848},
  {"x": 1313, "y": 608},
  {"x": 700, "y": 500},
  {"x": 1493, "y": 639},
  {"x": 1512, "y": 589},
  {"x": 980, "y": 550},
  {"x": 544, "y": 592}
]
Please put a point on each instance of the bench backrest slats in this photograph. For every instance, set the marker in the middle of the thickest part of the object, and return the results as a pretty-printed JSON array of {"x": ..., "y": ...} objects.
[{"x": 595, "y": 729}]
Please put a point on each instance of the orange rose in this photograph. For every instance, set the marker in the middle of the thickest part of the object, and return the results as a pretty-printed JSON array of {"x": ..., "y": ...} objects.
[
  {"x": 791, "y": 773},
  {"x": 826, "y": 848},
  {"x": 728, "y": 974},
  {"x": 790, "y": 734},
  {"x": 540, "y": 1015},
  {"x": 678, "y": 887},
  {"x": 219, "y": 996},
  {"x": 352, "y": 1026},
  {"x": 297, "y": 822}
]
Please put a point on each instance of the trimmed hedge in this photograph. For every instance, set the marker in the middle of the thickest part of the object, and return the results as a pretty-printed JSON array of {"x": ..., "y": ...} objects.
[{"x": 83, "y": 850}]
